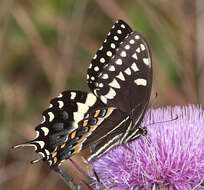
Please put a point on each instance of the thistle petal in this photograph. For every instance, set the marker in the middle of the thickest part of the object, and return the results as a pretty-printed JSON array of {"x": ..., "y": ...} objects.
[{"x": 170, "y": 156}]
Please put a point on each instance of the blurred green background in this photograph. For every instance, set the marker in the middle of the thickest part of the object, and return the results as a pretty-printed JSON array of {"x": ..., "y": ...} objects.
[{"x": 46, "y": 47}]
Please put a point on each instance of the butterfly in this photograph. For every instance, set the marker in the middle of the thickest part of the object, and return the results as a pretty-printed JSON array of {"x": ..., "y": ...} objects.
[{"x": 120, "y": 80}]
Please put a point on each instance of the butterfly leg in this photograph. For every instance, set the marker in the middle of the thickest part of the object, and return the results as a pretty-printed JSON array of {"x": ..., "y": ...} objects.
[
  {"x": 140, "y": 131},
  {"x": 96, "y": 181}
]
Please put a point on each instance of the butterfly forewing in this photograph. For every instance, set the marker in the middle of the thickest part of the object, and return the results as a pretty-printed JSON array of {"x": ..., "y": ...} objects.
[
  {"x": 102, "y": 57},
  {"x": 126, "y": 81}
]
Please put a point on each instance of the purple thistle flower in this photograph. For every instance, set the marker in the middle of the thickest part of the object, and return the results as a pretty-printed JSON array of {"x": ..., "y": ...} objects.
[{"x": 170, "y": 156}]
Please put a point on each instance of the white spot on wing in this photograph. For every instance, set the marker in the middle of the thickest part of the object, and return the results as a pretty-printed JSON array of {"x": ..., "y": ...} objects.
[
  {"x": 73, "y": 95},
  {"x": 105, "y": 76},
  {"x": 95, "y": 91},
  {"x": 61, "y": 104},
  {"x": 134, "y": 67},
  {"x": 137, "y": 37},
  {"x": 134, "y": 56},
  {"x": 121, "y": 76},
  {"x": 77, "y": 116},
  {"x": 101, "y": 48},
  {"x": 50, "y": 162},
  {"x": 60, "y": 95},
  {"x": 123, "y": 54},
  {"x": 113, "y": 45},
  {"x": 90, "y": 66},
  {"x": 96, "y": 68},
  {"x": 103, "y": 99},
  {"x": 122, "y": 25},
  {"x": 146, "y": 61},
  {"x": 42, "y": 154},
  {"x": 101, "y": 85},
  {"x": 46, "y": 151},
  {"x": 119, "y": 62},
  {"x": 41, "y": 143},
  {"x": 37, "y": 134},
  {"x": 138, "y": 50},
  {"x": 44, "y": 119},
  {"x": 51, "y": 116},
  {"x": 114, "y": 84},
  {"x": 109, "y": 53},
  {"x": 141, "y": 81},
  {"x": 92, "y": 78},
  {"x": 45, "y": 130},
  {"x": 102, "y": 60},
  {"x": 111, "y": 93},
  {"x": 111, "y": 68},
  {"x": 82, "y": 108},
  {"x": 119, "y": 31},
  {"x": 127, "y": 47},
  {"x": 28, "y": 144},
  {"x": 90, "y": 100},
  {"x": 128, "y": 71},
  {"x": 142, "y": 47},
  {"x": 95, "y": 56},
  {"x": 132, "y": 41},
  {"x": 115, "y": 38}
]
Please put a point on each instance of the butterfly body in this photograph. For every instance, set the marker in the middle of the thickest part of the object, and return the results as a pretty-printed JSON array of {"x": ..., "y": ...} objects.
[{"x": 120, "y": 80}]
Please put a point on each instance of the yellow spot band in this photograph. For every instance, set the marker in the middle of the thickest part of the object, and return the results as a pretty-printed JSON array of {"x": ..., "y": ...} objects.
[
  {"x": 73, "y": 134},
  {"x": 97, "y": 113}
]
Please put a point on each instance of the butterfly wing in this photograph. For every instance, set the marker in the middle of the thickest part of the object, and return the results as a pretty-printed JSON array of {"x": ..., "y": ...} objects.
[
  {"x": 111, "y": 139},
  {"x": 60, "y": 119},
  {"x": 91, "y": 130},
  {"x": 74, "y": 121},
  {"x": 103, "y": 56},
  {"x": 120, "y": 74},
  {"x": 126, "y": 81}
]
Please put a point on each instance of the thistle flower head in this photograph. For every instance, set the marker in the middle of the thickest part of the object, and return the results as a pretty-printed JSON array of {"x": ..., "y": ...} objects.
[{"x": 170, "y": 156}]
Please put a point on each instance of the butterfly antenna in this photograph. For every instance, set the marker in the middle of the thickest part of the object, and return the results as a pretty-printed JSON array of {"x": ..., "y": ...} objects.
[
  {"x": 154, "y": 99},
  {"x": 163, "y": 121},
  {"x": 98, "y": 180},
  {"x": 96, "y": 175}
]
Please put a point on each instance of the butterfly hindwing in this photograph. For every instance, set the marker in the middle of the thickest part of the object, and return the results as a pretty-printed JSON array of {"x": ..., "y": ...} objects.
[
  {"x": 77, "y": 140},
  {"x": 74, "y": 121},
  {"x": 60, "y": 119}
]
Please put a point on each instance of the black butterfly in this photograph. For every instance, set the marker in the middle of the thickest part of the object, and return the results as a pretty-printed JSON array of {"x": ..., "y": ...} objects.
[{"x": 120, "y": 78}]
